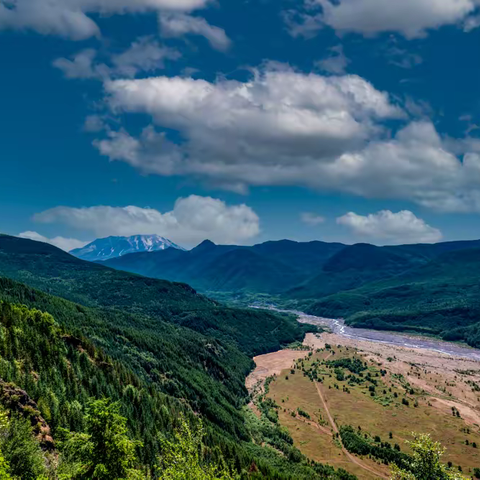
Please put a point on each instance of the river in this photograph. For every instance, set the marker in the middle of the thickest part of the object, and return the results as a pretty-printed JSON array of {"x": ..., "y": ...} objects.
[{"x": 338, "y": 327}]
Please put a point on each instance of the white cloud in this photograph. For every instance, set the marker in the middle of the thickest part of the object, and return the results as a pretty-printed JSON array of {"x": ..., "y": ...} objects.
[
  {"x": 69, "y": 18},
  {"x": 66, "y": 244},
  {"x": 412, "y": 18},
  {"x": 471, "y": 23},
  {"x": 416, "y": 165},
  {"x": 387, "y": 227},
  {"x": 144, "y": 55},
  {"x": 312, "y": 219},
  {"x": 192, "y": 220},
  {"x": 288, "y": 128},
  {"x": 269, "y": 130},
  {"x": 82, "y": 66},
  {"x": 178, "y": 25},
  {"x": 336, "y": 63}
]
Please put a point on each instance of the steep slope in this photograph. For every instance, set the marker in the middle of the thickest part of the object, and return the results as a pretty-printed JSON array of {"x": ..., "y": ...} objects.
[
  {"x": 112, "y": 247},
  {"x": 271, "y": 267},
  {"x": 179, "y": 361},
  {"x": 47, "y": 268},
  {"x": 243, "y": 269},
  {"x": 359, "y": 264},
  {"x": 441, "y": 297},
  {"x": 158, "y": 368},
  {"x": 304, "y": 257},
  {"x": 51, "y": 376}
]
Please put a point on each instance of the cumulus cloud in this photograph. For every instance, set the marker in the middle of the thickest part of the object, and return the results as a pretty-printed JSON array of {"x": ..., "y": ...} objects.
[
  {"x": 288, "y": 128},
  {"x": 63, "y": 243},
  {"x": 387, "y": 227},
  {"x": 144, "y": 55},
  {"x": 178, "y": 25},
  {"x": 69, "y": 18},
  {"x": 277, "y": 128},
  {"x": 283, "y": 127},
  {"x": 192, "y": 220},
  {"x": 312, "y": 219},
  {"x": 415, "y": 165},
  {"x": 411, "y": 18}
]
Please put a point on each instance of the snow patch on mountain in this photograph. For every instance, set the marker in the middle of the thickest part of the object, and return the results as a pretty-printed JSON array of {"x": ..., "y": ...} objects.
[{"x": 113, "y": 247}]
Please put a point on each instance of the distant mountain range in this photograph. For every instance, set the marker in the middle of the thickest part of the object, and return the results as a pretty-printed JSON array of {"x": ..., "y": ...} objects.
[
  {"x": 428, "y": 288},
  {"x": 113, "y": 247},
  {"x": 296, "y": 270},
  {"x": 270, "y": 267},
  {"x": 157, "y": 348}
]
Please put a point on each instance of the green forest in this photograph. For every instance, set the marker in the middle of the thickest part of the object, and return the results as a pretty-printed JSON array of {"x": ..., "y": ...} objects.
[
  {"x": 440, "y": 298},
  {"x": 152, "y": 364}
]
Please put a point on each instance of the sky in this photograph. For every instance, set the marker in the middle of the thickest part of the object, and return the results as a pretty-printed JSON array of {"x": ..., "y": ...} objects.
[{"x": 240, "y": 121}]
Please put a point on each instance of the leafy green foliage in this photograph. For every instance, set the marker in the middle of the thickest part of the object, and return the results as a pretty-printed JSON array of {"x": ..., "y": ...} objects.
[
  {"x": 68, "y": 381},
  {"x": 426, "y": 462},
  {"x": 142, "y": 349},
  {"x": 184, "y": 457},
  {"x": 104, "y": 451},
  {"x": 354, "y": 365},
  {"x": 61, "y": 373},
  {"x": 21, "y": 454},
  {"x": 358, "y": 444}
]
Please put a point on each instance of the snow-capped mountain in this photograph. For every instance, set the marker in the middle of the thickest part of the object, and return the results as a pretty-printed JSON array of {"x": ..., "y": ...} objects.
[{"x": 112, "y": 247}]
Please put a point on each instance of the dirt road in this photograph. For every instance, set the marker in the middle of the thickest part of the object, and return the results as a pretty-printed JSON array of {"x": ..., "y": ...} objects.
[{"x": 351, "y": 457}]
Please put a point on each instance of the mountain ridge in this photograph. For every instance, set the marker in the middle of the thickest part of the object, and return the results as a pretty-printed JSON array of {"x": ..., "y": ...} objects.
[
  {"x": 272, "y": 267},
  {"x": 294, "y": 270},
  {"x": 106, "y": 248}
]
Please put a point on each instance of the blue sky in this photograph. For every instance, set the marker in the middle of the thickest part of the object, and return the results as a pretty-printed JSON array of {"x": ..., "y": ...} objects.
[{"x": 240, "y": 121}]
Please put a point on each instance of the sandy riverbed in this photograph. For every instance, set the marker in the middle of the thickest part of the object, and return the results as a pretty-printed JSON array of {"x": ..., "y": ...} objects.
[{"x": 442, "y": 376}]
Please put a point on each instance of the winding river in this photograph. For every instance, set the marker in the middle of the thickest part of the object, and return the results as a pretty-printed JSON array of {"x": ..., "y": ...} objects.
[{"x": 338, "y": 327}]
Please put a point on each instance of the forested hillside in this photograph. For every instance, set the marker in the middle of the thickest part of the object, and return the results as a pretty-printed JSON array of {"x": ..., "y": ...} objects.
[
  {"x": 69, "y": 410},
  {"x": 47, "y": 268},
  {"x": 441, "y": 297},
  {"x": 288, "y": 270},
  {"x": 359, "y": 264},
  {"x": 139, "y": 352},
  {"x": 271, "y": 267}
]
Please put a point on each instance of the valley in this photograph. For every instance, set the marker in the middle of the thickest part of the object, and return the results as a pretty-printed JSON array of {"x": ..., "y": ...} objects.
[
  {"x": 326, "y": 400},
  {"x": 429, "y": 289},
  {"x": 383, "y": 391}
]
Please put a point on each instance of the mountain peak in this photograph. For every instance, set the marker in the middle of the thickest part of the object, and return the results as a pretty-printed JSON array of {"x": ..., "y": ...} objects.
[
  {"x": 113, "y": 247},
  {"x": 205, "y": 244}
]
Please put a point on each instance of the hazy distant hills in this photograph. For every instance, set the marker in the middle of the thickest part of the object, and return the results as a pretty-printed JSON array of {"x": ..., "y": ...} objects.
[
  {"x": 359, "y": 264},
  {"x": 56, "y": 272},
  {"x": 425, "y": 288},
  {"x": 270, "y": 267},
  {"x": 112, "y": 247},
  {"x": 296, "y": 270},
  {"x": 440, "y": 297}
]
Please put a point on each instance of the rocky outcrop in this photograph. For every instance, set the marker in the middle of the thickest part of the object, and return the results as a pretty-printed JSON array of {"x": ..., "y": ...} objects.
[{"x": 17, "y": 400}]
